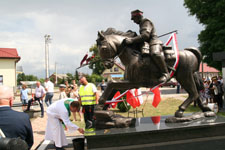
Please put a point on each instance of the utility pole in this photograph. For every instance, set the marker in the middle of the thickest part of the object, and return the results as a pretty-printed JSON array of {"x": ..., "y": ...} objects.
[
  {"x": 56, "y": 80},
  {"x": 47, "y": 41}
]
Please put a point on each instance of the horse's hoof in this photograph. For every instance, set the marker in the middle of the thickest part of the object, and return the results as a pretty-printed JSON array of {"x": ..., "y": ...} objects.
[{"x": 179, "y": 113}]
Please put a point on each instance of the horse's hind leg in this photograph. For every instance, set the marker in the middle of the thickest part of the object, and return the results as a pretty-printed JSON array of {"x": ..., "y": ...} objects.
[
  {"x": 200, "y": 86},
  {"x": 186, "y": 80}
]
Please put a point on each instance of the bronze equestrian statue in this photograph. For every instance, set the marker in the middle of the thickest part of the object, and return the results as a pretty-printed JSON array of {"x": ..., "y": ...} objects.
[{"x": 148, "y": 67}]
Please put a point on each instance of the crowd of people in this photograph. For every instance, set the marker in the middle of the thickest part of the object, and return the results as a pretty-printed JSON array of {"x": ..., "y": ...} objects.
[
  {"x": 213, "y": 91},
  {"x": 72, "y": 100}
]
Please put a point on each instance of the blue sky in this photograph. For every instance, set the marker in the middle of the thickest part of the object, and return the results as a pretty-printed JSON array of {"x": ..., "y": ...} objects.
[{"x": 73, "y": 27}]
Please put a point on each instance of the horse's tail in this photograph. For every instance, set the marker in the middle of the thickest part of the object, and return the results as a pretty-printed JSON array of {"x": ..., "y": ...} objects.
[{"x": 197, "y": 53}]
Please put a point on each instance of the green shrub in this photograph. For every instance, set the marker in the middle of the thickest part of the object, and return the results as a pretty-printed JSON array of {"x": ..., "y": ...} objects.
[{"x": 123, "y": 106}]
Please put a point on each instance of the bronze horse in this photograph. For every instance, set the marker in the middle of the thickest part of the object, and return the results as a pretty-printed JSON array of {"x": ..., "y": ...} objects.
[{"x": 141, "y": 71}]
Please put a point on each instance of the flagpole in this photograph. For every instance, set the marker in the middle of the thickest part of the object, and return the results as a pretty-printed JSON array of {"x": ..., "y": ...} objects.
[{"x": 168, "y": 33}]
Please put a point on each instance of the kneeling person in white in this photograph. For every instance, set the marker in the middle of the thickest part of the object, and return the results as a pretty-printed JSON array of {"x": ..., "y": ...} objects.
[{"x": 57, "y": 113}]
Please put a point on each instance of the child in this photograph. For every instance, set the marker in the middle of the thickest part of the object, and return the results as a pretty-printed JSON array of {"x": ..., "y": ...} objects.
[
  {"x": 24, "y": 96},
  {"x": 74, "y": 94},
  {"x": 62, "y": 94}
]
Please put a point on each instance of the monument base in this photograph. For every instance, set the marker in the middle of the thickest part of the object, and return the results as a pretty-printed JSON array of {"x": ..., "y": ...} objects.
[{"x": 153, "y": 133}]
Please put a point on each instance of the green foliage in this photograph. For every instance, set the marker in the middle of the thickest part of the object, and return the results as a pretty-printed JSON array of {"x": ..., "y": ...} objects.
[
  {"x": 94, "y": 78},
  {"x": 42, "y": 80},
  {"x": 123, "y": 107},
  {"x": 70, "y": 77},
  {"x": 23, "y": 77},
  {"x": 96, "y": 64},
  {"x": 211, "y": 14}
]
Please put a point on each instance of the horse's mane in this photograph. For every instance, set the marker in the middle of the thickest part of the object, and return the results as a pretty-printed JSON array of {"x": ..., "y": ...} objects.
[{"x": 110, "y": 31}]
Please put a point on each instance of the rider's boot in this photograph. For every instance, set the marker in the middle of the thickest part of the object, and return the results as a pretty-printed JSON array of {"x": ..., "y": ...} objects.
[{"x": 159, "y": 61}]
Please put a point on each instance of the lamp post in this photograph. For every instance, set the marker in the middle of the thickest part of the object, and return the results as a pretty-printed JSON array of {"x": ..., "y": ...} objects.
[{"x": 47, "y": 41}]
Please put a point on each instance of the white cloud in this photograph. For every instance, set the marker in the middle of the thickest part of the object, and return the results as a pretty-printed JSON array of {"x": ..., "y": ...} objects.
[{"x": 73, "y": 27}]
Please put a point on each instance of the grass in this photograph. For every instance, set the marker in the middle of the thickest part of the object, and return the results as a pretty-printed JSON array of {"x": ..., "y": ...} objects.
[{"x": 167, "y": 106}]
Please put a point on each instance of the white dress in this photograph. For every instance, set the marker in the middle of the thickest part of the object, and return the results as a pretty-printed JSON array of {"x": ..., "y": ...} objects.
[{"x": 54, "y": 129}]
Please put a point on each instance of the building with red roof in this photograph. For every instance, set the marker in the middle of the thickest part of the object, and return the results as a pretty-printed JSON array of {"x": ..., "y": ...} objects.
[
  {"x": 8, "y": 59},
  {"x": 208, "y": 72}
]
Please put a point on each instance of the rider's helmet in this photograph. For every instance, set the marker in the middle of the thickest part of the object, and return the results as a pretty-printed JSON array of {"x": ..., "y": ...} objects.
[{"x": 136, "y": 13}]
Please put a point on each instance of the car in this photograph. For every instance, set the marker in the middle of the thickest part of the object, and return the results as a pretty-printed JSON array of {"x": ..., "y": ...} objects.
[{"x": 170, "y": 84}]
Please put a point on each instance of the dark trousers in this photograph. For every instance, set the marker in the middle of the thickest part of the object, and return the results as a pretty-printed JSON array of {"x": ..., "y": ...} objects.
[
  {"x": 220, "y": 100},
  {"x": 40, "y": 103},
  {"x": 48, "y": 98},
  {"x": 88, "y": 111}
]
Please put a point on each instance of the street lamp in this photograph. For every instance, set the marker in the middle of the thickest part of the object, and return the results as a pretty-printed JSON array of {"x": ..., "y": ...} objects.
[{"x": 47, "y": 41}]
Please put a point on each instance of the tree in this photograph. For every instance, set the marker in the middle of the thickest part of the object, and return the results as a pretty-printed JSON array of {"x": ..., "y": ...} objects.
[
  {"x": 20, "y": 77},
  {"x": 23, "y": 77},
  {"x": 96, "y": 63},
  {"x": 211, "y": 14},
  {"x": 70, "y": 77}
]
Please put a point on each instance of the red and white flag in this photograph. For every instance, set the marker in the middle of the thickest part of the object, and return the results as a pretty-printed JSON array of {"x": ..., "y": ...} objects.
[
  {"x": 83, "y": 60},
  {"x": 134, "y": 97},
  {"x": 155, "y": 90},
  {"x": 156, "y": 121},
  {"x": 157, "y": 96},
  {"x": 89, "y": 59},
  {"x": 173, "y": 38},
  {"x": 116, "y": 97}
]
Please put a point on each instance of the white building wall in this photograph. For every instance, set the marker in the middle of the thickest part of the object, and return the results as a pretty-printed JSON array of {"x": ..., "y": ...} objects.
[{"x": 8, "y": 72}]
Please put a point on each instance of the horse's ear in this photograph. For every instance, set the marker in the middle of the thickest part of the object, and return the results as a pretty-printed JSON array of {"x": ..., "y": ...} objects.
[{"x": 101, "y": 36}]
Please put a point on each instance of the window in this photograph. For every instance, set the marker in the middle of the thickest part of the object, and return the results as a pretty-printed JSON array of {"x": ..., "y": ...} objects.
[
  {"x": 116, "y": 69},
  {"x": 1, "y": 79}
]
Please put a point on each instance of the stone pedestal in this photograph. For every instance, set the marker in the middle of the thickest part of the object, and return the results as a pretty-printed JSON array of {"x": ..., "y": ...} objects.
[{"x": 152, "y": 133}]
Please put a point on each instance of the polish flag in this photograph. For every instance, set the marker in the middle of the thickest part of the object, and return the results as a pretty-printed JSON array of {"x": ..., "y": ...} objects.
[
  {"x": 173, "y": 38},
  {"x": 84, "y": 59},
  {"x": 132, "y": 98},
  {"x": 116, "y": 97},
  {"x": 157, "y": 97},
  {"x": 138, "y": 93},
  {"x": 156, "y": 121},
  {"x": 89, "y": 59}
]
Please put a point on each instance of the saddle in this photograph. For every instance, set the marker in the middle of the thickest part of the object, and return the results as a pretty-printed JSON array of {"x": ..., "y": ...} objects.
[{"x": 169, "y": 53}]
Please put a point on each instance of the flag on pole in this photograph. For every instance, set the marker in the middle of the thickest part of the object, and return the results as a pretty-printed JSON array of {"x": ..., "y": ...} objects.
[
  {"x": 155, "y": 90},
  {"x": 157, "y": 97},
  {"x": 173, "y": 38},
  {"x": 114, "y": 97},
  {"x": 84, "y": 59},
  {"x": 131, "y": 98},
  {"x": 138, "y": 94},
  {"x": 156, "y": 121},
  {"x": 89, "y": 59}
]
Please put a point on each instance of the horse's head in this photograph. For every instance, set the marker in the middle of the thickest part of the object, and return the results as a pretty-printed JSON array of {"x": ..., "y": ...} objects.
[{"x": 107, "y": 49}]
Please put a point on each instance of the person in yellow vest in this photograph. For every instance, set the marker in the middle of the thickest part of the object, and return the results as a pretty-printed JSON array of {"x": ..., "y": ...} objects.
[{"x": 88, "y": 99}]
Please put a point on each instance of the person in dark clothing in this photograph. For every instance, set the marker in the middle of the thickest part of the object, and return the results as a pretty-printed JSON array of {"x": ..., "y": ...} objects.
[{"x": 14, "y": 124}]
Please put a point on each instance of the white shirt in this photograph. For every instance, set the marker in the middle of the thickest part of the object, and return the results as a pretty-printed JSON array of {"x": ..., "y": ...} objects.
[
  {"x": 50, "y": 86},
  {"x": 39, "y": 92},
  {"x": 59, "y": 111},
  {"x": 62, "y": 95}
]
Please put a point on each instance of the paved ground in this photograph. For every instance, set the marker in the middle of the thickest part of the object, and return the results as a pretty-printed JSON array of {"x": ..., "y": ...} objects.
[{"x": 39, "y": 124}]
